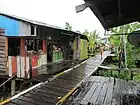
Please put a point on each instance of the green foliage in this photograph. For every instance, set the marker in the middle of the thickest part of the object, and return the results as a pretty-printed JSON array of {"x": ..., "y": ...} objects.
[
  {"x": 116, "y": 74},
  {"x": 121, "y": 75},
  {"x": 117, "y": 41},
  {"x": 136, "y": 77},
  {"x": 68, "y": 26},
  {"x": 91, "y": 37},
  {"x": 124, "y": 29},
  {"x": 128, "y": 28}
]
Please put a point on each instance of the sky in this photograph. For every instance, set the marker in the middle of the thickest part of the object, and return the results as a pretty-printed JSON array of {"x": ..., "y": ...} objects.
[{"x": 54, "y": 12}]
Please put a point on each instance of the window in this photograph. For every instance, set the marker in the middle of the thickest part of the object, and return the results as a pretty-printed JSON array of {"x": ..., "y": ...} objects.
[
  {"x": 13, "y": 46},
  {"x": 32, "y": 30},
  {"x": 33, "y": 45}
]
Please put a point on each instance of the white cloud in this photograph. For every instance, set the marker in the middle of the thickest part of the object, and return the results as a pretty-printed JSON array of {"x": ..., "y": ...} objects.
[{"x": 54, "y": 12}]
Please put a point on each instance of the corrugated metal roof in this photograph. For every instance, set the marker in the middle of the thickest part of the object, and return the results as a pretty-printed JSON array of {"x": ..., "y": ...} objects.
[
  {"x": 39, "y": 23},
  {"x": 31, "y": 21}
]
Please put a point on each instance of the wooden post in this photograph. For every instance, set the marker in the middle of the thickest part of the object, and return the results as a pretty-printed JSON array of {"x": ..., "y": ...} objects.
[
  {"x": 30, "y": 67},
  {"x": 44, "y": 46},
  {"x": 131, "y": 75},
  {"x": 98, "y": 72},
  {"x": 23, "y": 54},
  {"x": 22, "y": 47},
  {"x": 111, "y": 72},
  {"x": 6, "y": 55},
  {"x": 3, "y": 88},
  {"x": 13, "y": 87},
  {"x": 78, "y": 49}
]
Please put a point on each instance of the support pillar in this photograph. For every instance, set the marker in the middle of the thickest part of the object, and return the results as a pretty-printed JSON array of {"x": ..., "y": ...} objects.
[
  {"x": 22, "y": 47},
  {"x": 23, "y": 55},
  {"x": 44, "y": 46},
  {"x": 78, "y": 49},
  {"x": 124, "y": 40},
  {"x": 6, "y": 54},
  {"x": 13, "y": 87},
  {"x": 3, "y": 89}
]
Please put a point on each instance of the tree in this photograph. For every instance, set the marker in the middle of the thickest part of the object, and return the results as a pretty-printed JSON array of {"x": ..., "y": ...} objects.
[
  {"x": 91, "y": 37},
  {"x": 68, "y": 26},
  {"x": 118, "y": 40}
]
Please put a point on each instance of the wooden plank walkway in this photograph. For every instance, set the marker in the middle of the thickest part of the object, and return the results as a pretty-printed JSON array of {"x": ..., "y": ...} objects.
[
  {"x": 48, "y": 92},
  {"x": 108, "y": 91}
]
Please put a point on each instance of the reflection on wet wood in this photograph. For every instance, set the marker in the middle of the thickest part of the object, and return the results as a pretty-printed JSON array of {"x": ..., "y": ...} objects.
[
  {"x": 49, "y": 93},
  {"x": 108, "y": 91}
]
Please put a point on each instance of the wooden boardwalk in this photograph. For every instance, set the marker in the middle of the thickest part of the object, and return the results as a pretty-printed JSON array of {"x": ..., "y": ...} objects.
[
  {"x": 49, "y": 92},
  {"x": 107, "y": 91}
]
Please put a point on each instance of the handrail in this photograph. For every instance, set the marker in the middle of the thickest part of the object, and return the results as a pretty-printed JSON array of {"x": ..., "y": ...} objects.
[{"x": 8, "y": 80}]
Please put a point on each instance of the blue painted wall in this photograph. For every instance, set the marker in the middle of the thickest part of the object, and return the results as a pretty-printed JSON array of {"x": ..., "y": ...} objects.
[{"x": 10, "y": 26}]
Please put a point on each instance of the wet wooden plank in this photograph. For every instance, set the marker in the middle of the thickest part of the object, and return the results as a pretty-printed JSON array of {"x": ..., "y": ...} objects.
[
  {"x": 11, "y": 103},
  {"x": 44, "y": 95},
  {"x": 85, "y": 87},
  {"x": 109, "y": 94},
  {"x": 116, "y": 92},
  {"x": 135, "y": 90},
  {"x": 50, "y": 92},
  {"x": 96, "y": 94},
  {"x": 131, "y": 94},
  {"x": 62, "y": 86},
  {"x": 72, "y": 79},
  {"x": 89, "y": 94},
  {"x": 103, "y": 93},
  {"x": 91, "y": 67},
  {"x": 52, "y": 88},
  {"x": 34, "y": 101},
  {"x": 122, "y": 91},
  {"x": 21, "y": 102},
  {"x": 66, "y": 82},
  {"x": 41, "y": 96}
]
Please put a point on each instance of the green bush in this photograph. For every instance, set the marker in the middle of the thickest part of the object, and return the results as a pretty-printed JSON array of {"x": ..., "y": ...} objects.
[{"x": 116, "y": 74}]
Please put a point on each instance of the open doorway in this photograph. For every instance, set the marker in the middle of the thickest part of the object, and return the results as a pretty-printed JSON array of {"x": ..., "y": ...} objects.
[
  {"x": 49, "y": 51},
  {"x": 13, "y": 46}
]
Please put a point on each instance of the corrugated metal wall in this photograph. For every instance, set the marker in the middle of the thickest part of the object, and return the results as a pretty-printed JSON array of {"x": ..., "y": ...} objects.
[
  {"x": 10, "y": 26},
  {"x": 14, "y": 27},
  {"x": 24, "y": 29}
]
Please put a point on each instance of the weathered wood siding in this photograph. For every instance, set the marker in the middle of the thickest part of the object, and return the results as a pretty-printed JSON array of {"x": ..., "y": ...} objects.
[{"x": 2, "y": 53}]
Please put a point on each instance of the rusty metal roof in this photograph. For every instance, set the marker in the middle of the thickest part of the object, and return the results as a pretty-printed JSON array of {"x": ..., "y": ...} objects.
[{"x": 113, "y": 13}]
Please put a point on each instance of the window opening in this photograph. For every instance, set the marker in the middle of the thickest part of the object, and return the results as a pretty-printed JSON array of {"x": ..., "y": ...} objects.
[
  {"x": 13, "y": 46},
  {"x": 32, "y": 30}
]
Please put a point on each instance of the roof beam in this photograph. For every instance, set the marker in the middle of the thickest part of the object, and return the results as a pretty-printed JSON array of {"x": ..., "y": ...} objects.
[{"x": 82, "y": 7}]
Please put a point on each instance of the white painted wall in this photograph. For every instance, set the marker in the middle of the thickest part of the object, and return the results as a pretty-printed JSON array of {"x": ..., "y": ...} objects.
[{"x": 24, "y": 29}]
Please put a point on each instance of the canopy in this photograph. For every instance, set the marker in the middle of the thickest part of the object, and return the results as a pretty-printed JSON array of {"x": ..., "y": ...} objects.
[{"x": 112, "y": 13}]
